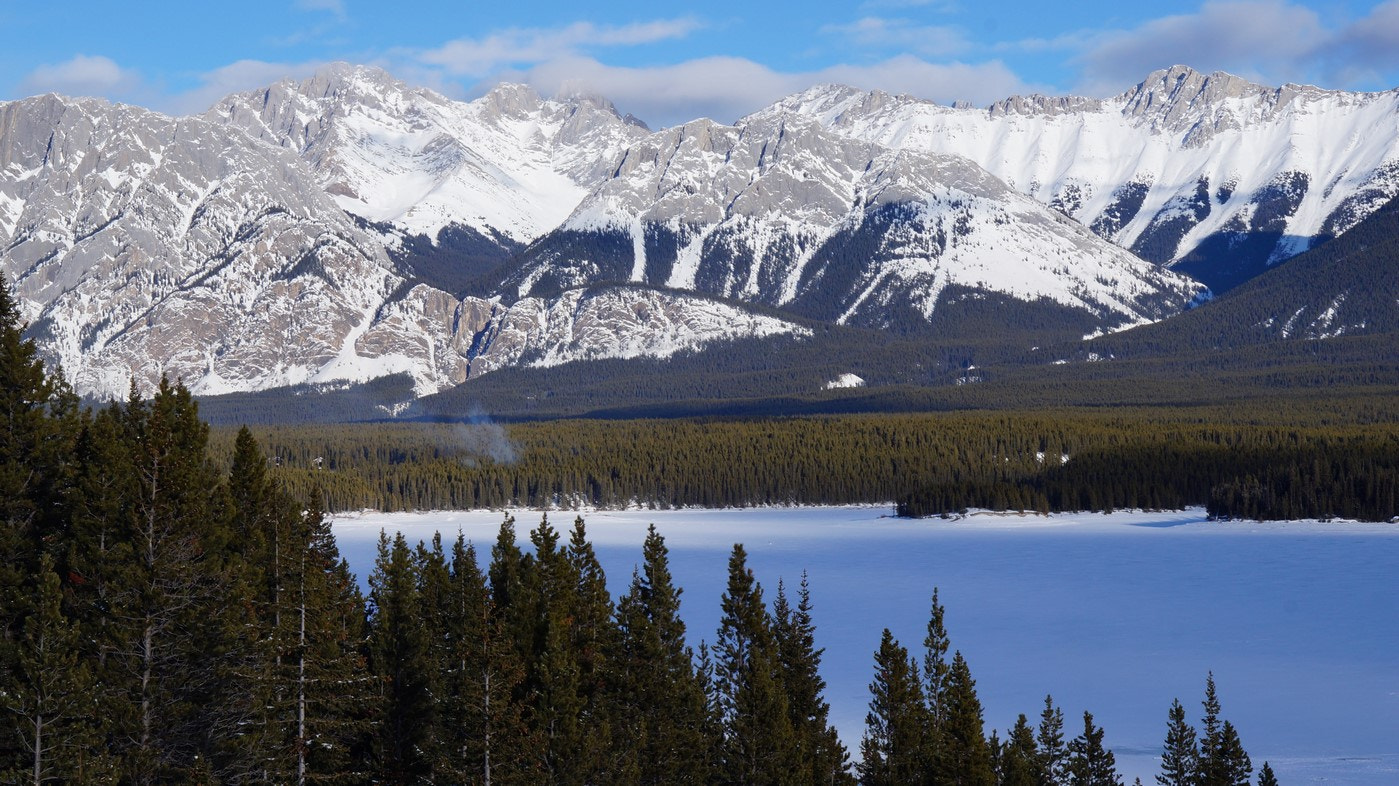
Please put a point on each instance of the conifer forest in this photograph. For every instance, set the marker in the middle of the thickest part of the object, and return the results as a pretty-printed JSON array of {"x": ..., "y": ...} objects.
[{"x": 176, "y": 610}]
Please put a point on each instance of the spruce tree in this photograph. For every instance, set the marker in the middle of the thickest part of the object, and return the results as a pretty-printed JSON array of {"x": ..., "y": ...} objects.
[
  {"x": 399, "y": 656},
  {"x": 1019, "y": 763},
  {"x": 1179, "y": 757},
  {"x": 758, "y": 737},
  {"x": 962, "y": 756},
  {"x": 48, "y": 698},
  {"x": 170, "y": 593},
  {"x": 1089, "y": 763},
  {"x": 1266, "y": 776},
  {"x": 894, "y": 750},
  {"x": 1054, "y": 753},
  {"x": 817, "y": 745},
  {"x": 660, "y": 711}
]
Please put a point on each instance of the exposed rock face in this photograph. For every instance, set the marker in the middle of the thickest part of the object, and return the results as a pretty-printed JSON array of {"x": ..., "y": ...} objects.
[
  {"x": 1133, "y": 167},
  {"x": 143, "y": 245},
  {"x": 780, "y": 210},
  {"x": 509, "y": 163}
]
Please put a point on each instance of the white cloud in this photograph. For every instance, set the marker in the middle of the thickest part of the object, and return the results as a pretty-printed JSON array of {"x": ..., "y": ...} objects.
[
  {"x": 83, "y": 75},
  {"x": 1269, "y": 40},
  {"x": 879, "y": 33},
  {"x": 526, "y": 46},
  {"x": 233, "y": 78},
  {"x": 726, "y": 88}
]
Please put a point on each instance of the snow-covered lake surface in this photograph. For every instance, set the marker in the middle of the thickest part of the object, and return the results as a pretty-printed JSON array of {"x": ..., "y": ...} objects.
[{"x": 1115, "y": 614}]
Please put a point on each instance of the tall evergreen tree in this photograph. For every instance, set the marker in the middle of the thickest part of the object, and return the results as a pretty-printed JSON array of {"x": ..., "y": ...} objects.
[
  {"x": 758, "y": 737},
  {"x": 660, "y": 724},
  {"x": 400, "y": 659},
  {"x": 1266, "y": 776},
  {"x": 1054, "y": 752},
  {"x": 817, "y": 745},
  {"x": 1222, "y": 759},
  {"x": 1091, "y": 764},
  {"x": 48, "y": 697},
  {"x": 38, "y": 425},
  {"x": 1179, "y": 757},
  {"x": 1019, "y": 762},
  {"x": 894, "y": 751},
  {"x": 962, "y": 756},
  {"x": 170, "y": 592}
]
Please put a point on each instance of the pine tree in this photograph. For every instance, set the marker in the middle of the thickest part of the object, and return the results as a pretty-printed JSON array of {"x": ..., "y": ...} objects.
[
  {"x": 817, "y": 744},
  {"x": 1019, "y": 763},
  {"x": 661, "y": 723},
  {"x": 1266, "y": 776},
  {"x": 1209, "y": 764},
  {"x": 1179, "y": 757},
  {"x": 935, "y": 666},
  {"x": 1054, "y": 753},
  {"x": 758, "y": 737},
  {"x": 48, "y": 697},
  {"x": 38, "y": 423},
  {"x": 482, "y": 719},
  {"x": 592, "y": 635},
  {"x": 1235, "y": 768},
  {"x": 894, "y": 751},
  {"x": 170, "y": 592},
  {"x": 1090, "y": 764},
  {"x": 962, "y": 756},
  {"x": 399, "y": 657}
]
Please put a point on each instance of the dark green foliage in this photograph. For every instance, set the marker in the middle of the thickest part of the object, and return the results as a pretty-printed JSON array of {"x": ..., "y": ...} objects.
[
  {"x": 1018, "y": 763},
  {"x": 895, "y": 749},
  {"x": 1089, "y": 763},
  {"x": 1179, "y": 757},
  {"x": 1266, "y": 776},
  {"x": 759, "y": 742},
  {"x": 401, "y": 659},
  {"x": 1053, "y": 752},
  {"x": 661, "y": 723},
  {"x": 962, "y": 755},
  {"x": 820, "y": 754}
]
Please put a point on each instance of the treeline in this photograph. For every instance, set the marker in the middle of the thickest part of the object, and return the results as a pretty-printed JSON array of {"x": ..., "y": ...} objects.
[
  {"x": 165, "y": 620},
  {"x": 1317, "y": 475},
  {"x": 1283, "y": 463}
]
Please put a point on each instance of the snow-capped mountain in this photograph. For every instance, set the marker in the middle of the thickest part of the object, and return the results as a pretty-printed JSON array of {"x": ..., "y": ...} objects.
[
  {"x": 507, "y": 165},
  {"x": 143, "y": 245},
  {"x": 781, "y": 211},
  {"x": 1209, "y": 173},
  {"x": 338, "y": 228}
]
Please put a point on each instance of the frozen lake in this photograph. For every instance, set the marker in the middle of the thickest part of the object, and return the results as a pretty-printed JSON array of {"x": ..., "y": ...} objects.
[{"x": 1115, "y": 614}]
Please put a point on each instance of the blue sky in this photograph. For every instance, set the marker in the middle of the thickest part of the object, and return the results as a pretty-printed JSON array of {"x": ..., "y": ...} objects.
[{"x": 719, "y": 59}]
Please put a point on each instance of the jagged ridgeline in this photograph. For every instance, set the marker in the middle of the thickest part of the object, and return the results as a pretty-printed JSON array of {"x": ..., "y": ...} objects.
[{"x": 349, "y": 227}]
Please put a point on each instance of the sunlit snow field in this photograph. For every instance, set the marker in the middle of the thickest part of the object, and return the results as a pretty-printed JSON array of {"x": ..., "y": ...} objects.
[{"x": 1116, "y": 614}]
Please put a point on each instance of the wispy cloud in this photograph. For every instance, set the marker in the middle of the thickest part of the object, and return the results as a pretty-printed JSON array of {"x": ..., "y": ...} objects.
[
  {"x": 726, "y": 88},
  {"x": 82, "y": 75},
  {"x": 516, "y": 47},
  {"x": 335, "y": 7},
  {"x": 902, "y": 35}
]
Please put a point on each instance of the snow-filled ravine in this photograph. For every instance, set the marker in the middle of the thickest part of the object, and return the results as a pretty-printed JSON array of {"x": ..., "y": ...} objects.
[{"x": 1117, "y": 614}]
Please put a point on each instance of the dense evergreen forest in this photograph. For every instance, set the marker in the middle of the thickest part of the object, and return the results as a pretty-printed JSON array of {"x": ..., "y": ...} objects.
[
  {"x": 164, "y": 619},
  {"x": 1287, "y": 460}
]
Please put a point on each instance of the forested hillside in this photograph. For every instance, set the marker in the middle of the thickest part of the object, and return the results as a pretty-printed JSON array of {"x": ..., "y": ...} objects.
[
  {"x": 166, "y": 620},
  {"x": 1289, "y": 459}
]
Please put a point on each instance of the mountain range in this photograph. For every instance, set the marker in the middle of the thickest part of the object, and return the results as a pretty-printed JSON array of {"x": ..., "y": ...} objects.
[{"x": 350, "y": 227}]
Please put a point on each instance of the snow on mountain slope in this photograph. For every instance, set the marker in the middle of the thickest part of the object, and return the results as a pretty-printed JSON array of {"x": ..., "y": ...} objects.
[
  {"x": 1199, "y": 171},
  {"x": 779, "y": 210},
  {"x": 143, "y": 245},
  {"x": 509, "y": 163}
]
